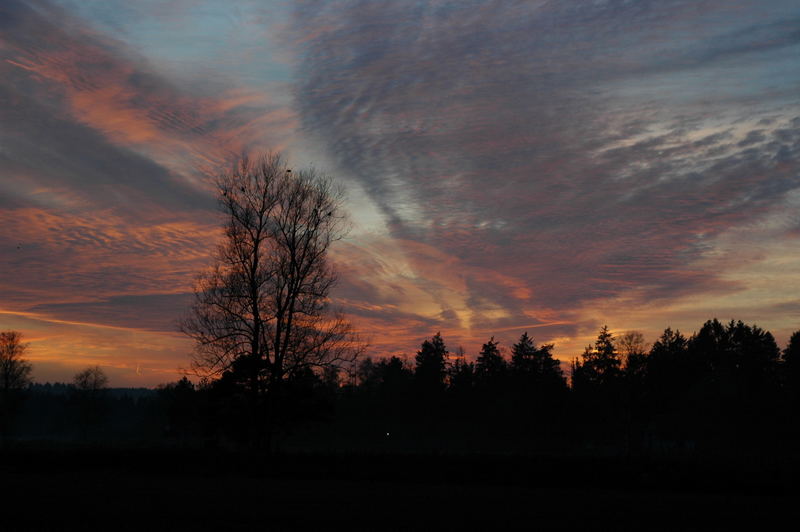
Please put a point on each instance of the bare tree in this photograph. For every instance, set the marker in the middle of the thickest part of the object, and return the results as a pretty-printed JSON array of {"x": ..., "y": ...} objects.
[
  {"x": 261, "y": 313},
  {"x": 15, "y": 374},
  {"x": 89, "y": 390},
  {"x": 14, "y": 370},
  {"x": 91, "y": 381}
]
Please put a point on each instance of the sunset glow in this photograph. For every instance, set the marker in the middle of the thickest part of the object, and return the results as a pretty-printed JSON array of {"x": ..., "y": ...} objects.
[{"x": 546, "y": 167}]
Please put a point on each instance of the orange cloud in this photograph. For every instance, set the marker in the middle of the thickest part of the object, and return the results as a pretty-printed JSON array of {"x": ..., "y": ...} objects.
[{"x": 109, "y": 89}]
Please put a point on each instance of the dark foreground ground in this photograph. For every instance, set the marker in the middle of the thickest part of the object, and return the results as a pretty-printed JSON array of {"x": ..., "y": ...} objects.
[{"x": 80, "y": 489}]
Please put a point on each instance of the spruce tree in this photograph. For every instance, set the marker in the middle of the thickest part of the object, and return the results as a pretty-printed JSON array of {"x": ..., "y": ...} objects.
[
  {"x": 533, "y": 365},
  {"x": 431, "y": 361},
  {"x": 490, "y": 367},
  {"x": 600, "y": 364},
  {"x": 791, "y": 365}
]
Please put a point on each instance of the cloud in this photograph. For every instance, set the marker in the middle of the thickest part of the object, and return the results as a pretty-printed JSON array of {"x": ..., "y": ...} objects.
[
  {"x": 555, "y": 154},
  {"x": 153, "y": 312},
  {"x": 68, "y": 258},
  {"x": 536, "y": 165},
  {"x": 105, "y": 161},
  {"x": 101, "y": 83},
  {"x": 106, "y": 209}
]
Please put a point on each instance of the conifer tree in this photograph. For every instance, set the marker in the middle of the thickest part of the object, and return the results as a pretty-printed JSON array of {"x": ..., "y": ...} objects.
[
  {"x": 490, "y": 367},
  {"x": 535, "y": 364},
  {"x": 601, "y": 363},
  {"x": 791, "y": 364},
  {"x": 431, "y": 361}
]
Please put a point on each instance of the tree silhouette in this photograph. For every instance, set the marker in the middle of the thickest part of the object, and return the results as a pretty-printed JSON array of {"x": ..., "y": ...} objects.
[
  {"x": 367, "y": 375},
  {"x": 388, "y": 377},
  {"x": 179, "y": 401},
  {"x": 535, "y": 366},
  {"x": 671, "y": 345},
  {"x": 15, "y": 374},
  {"x": 757, "y": 354},
  {"x": 598, "y": 391},
  {"x": 728, "y": 385},
  {"x": 92, "y": 381},
  {"x": 633, "y": 351},
  {"x": 523, "y": 356},
  {"x": 538, "y": 386},
  {"x": 430, "y": 364},
  {"x": 89, "y": 388},
  {"x": 668, "y": 365},
  {"x": 490, "y": 366},
  {"x": 461, "y": 374},
  {"x": 261, "y": 314},
  {"x": 746, "y": 353},
  {"x": 600, "y": 364},
  {"x": 394, "y": 386},
  {"x": 395, "y": 377},
  {"x": 791, "y": 365}
]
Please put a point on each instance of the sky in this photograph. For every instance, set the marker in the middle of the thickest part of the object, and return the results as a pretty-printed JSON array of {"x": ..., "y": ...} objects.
[{"x": 511, "y": 166}]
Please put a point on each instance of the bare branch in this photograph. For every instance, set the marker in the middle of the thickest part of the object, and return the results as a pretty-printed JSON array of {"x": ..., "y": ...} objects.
[{"x": 266, "y": 298}]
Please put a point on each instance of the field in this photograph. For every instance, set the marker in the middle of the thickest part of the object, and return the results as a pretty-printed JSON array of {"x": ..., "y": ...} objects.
[{"x": 81, "y": 489}]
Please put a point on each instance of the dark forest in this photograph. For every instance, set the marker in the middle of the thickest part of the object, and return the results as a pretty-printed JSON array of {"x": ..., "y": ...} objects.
[
  {"x": 708, "y": 422},
  {"x": 726, "y": 389}
]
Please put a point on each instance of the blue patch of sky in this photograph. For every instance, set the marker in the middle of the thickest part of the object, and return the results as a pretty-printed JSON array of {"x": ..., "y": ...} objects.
[{"x": 235, "y": 39}]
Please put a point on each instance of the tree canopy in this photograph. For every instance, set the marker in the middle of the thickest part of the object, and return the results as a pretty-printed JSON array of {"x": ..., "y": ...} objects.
[{"x": 261, "y": 315}]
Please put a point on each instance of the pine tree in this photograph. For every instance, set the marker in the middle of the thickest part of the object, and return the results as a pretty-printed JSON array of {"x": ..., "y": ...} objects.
[
  {"x": 600, "y": 364},
  {"x": 461, "y": 374},
  {"x": 523, "y": 355},
  {"x": 791, "y": 364},
  {"x": 431, "y": 361},
  {"x": 535, "y": 366},
  {"x": 490, "y": 367}
]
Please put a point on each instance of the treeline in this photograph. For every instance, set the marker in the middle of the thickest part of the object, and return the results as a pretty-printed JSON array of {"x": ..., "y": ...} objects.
[{"x": 728, "y": 388}]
